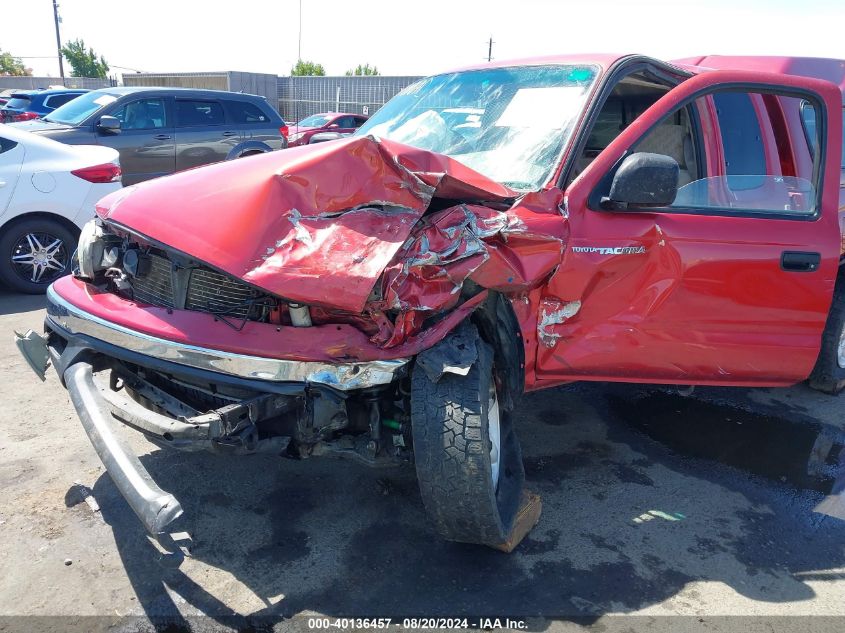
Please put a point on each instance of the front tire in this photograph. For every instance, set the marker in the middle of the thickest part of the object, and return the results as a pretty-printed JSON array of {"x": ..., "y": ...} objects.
[
  {"x": 468, "y": 459},
  {"x": 34, "y": 252}
]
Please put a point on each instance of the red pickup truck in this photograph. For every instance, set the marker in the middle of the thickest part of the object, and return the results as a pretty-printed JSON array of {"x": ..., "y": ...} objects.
[{"x": 388, "y": 297}]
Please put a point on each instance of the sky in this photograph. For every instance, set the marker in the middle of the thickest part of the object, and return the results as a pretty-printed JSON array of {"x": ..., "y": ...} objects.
[{"x": 411, "y": 38}]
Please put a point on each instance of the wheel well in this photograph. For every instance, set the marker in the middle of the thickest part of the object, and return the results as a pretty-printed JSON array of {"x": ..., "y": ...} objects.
[
  {"x": 70, "y": 226},
  {"x": 251, "y": 152},
  {"x": 498, "y": 326}
]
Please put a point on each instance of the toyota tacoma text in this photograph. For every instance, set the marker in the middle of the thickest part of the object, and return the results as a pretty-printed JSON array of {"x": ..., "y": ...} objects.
[{"x": 388, "y": 297}]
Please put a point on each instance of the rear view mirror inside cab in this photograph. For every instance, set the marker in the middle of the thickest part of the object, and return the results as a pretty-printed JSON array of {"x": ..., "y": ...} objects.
[{"x": 643, "y": 179}]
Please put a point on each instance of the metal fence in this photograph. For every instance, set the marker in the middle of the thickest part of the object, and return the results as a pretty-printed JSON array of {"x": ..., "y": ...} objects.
[
  {"x": 39, "y": 83},
  {"x": 251, "y": 83},
  {"x": 300, "y": 97}
]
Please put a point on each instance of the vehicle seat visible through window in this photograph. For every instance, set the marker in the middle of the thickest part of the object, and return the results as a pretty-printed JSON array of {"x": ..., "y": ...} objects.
[{"x": 673, "y": 140}]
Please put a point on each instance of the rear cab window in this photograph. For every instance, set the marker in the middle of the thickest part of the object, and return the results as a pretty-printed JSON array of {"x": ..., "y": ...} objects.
[
  {"x": 808, "y": 120},
  {"x": 199, "y": 113}
]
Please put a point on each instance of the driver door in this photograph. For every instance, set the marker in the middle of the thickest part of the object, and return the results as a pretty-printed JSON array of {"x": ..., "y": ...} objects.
[{"x": 730, "y": 284}]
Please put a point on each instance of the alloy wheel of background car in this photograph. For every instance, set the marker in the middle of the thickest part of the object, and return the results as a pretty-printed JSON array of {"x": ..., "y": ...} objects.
[
  {"x": 467, "y": 457},
  {"x": 35, "y": 253}
]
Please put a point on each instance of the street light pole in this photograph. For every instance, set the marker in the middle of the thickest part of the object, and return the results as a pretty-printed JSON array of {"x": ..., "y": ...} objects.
[{"x": 59, "y": 40}]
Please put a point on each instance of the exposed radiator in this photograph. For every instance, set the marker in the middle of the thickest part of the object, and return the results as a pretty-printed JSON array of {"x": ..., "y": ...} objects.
[
  {"x": 207, "y": 291},
  {"x": 156, "y": 287}
]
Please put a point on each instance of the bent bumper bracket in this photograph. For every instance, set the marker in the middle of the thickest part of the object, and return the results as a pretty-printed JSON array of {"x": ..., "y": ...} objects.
[{"x": 155, "y": 508}]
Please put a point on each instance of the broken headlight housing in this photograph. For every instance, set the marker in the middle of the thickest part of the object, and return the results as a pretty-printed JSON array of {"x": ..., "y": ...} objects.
[{"x": 97, "y": 250}]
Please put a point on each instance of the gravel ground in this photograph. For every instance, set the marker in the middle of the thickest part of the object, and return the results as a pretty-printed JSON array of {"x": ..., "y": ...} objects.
[{"x": 655, "y": 504}]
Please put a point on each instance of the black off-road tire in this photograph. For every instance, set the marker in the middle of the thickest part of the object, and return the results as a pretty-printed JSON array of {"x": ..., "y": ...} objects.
[
  {"x": 452, "y": 452},
  {"x": 827, "y": 375},
  {"x": 14, "y": 232}
]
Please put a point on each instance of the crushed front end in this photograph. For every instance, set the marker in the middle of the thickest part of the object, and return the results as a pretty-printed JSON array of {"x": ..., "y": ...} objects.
[{"x": 290, "y": 320}]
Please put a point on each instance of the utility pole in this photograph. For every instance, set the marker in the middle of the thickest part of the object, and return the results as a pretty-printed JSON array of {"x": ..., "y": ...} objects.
[
  {"x": 58, "y": 41},
  {"x": 490, "y": 49}
]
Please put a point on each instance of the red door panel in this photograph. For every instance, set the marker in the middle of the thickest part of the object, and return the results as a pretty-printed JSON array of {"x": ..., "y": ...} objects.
[{"x": 686, "y": 298}]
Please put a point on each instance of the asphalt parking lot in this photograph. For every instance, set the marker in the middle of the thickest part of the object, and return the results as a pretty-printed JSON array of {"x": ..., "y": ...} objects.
[{"x": 655, "y": 504}]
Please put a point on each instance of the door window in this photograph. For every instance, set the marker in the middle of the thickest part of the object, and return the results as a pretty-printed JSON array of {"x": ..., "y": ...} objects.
[
  {"x": 199, "y": 113},
  {"x": 749, "y": 164},
  {"x": 244, "y": 112},
  {"x": 143, "y": 114},
  {"x": 59, "y": 100},
  {"x": 345, "y": 122}
]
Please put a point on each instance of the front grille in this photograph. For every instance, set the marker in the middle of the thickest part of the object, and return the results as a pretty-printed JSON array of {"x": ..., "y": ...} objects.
[
  {"x": 156, "y": 287},
  {"x": 206, "y": 291}
]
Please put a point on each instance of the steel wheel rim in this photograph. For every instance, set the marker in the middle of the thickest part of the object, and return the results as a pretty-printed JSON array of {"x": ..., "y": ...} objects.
[
  {"x": 840, "y": 349},
  {"x": 39, "y": 257},
  {"x": 494, "y": 430}
]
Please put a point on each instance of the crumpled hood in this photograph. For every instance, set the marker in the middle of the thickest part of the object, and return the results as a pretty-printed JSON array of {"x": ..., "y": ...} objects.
[{"x": 316, "y": 224}]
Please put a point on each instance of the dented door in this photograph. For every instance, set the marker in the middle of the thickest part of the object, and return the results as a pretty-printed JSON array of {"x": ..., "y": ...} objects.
[{"x": 698, "y": 294}]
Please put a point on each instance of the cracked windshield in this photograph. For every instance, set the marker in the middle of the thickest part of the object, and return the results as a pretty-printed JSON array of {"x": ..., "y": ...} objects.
[{"x": 509, "y": 124}]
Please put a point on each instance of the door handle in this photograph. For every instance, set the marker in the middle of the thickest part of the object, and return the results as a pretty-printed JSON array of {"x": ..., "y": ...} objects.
[
  {"x": 2, "y": 183},
  {"x": 800, "y": 261},
  {"x": 162, "y": 137},
  {"x": 230, "y": 133}
]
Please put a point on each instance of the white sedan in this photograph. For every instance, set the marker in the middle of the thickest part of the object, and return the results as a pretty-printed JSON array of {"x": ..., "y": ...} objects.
[{"x": 47, "y": 193}]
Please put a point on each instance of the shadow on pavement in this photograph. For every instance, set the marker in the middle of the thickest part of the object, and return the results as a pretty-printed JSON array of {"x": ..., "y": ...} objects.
[
  {"x": 13, "y": 303},
  {"x": 627, "y": 523}
]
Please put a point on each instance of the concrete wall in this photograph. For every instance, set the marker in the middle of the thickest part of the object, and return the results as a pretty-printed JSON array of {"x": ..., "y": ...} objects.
[{"x": 37, "y": 83}]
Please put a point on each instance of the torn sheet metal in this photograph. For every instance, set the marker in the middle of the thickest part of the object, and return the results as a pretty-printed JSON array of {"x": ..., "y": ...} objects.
[
  {"x": 315, "y": 224},
  {"x": 371, "y": 233},
  {"x": 554, "y": 312}
]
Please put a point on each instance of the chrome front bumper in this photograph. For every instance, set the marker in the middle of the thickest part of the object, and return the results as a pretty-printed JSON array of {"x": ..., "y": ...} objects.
[{"x": 340, "y": 376}]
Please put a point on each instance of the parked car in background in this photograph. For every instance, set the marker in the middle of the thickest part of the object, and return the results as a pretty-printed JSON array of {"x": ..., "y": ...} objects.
[
  {"x": 343, "y": 123},
  {"x": 322, "y": 137},
  {"x": 25, "y": 105},
  {"x": 159, "y": 131},
  {"x": 47, "y": 193}
]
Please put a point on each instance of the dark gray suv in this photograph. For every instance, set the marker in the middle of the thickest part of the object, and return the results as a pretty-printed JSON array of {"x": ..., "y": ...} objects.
[{"x": 162, "y": 130}]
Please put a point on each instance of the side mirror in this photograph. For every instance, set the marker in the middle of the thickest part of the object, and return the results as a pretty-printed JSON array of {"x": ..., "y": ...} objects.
[
  {"x": 108, "y": 124},
  {"x": 332, "y": 126},
  {"x": 643, "y": 180}
]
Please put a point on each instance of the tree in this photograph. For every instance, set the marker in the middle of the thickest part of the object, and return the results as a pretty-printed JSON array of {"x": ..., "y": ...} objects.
[
  {"x": 366, "y": 69},
  {"x": 305, "y": 68},
  {"x": 84, "y": 62},
  {"x": 12, "y": 65}
]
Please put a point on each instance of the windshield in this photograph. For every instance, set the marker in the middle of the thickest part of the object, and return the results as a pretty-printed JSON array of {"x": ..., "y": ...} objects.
[
  {"x": 76, "y": 111},
  {"x": 509, "y": 124},
  {"x": 315, "y": 120},
  {"x": 19, "y": 102}
]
